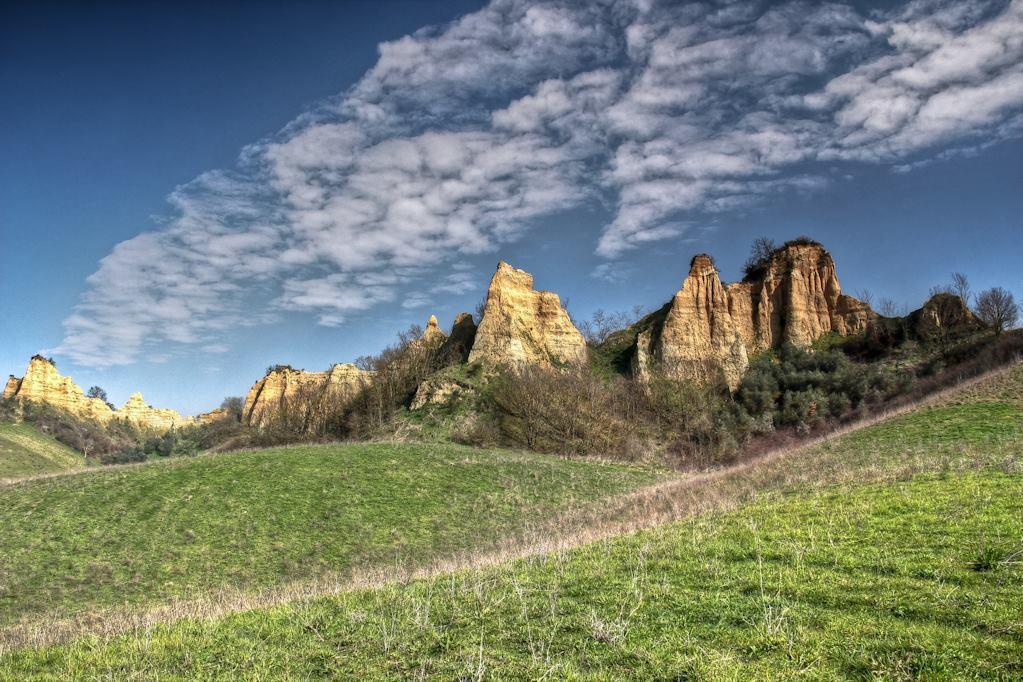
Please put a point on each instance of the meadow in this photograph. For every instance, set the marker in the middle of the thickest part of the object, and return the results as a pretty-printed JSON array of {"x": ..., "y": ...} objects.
[
  {"x": 188, "y": 527},
  {"x": 892, "y": 550}
]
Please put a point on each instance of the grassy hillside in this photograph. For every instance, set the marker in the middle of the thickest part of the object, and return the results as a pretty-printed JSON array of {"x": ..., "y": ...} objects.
[
  {"x": 26, "y": 452},
  {"x": 915, "y": 579},
  {"x": 189, "y": 527},
  {"x": 893, "y": 551}
]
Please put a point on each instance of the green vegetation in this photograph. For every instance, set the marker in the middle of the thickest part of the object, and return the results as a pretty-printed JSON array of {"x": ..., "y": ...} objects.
[
  {"x": 183, "y": 528},
  {"x": 26, "y": 452},
  {"x": 893, "y": 551},
  {"x": 823, "y": 586}
]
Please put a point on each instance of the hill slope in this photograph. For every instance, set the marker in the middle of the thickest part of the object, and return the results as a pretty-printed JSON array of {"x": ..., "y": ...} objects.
[
  {"x": 902, "y": 560},
  {"x": 189, "y": 527},
  {"x": 26, "y": 452}
]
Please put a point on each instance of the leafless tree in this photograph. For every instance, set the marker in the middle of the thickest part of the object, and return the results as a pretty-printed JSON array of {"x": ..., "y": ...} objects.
[
  {"x": 759, "y": 253},
  {"x": 888, "y": 308},
  {"x": 997, "y": 309},
  {"x": 961, "y": 287},
  {"x": 866, "y": 295}
]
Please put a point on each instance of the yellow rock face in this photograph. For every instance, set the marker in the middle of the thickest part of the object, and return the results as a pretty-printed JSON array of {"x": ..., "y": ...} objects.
[
  {"x": 699, "y": 338},
  {"x": 42, "y": 383},
  {"x": 524, "y": 326},
  {"x": 710, "y": 329},
  {"x": 796, "y": 299},
  {"x": 137, "y": 411},
  {"x": 292, "y": 389},
  {"x": 216, "y": 415}
]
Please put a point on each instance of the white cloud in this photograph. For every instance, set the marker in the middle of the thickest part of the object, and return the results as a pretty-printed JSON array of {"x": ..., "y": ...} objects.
[{"x": 462, "y": 136}]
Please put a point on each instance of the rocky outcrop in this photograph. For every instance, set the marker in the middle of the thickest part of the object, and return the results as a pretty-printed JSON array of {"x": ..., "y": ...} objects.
[
  {"x": 698, "y": 338},
  {"x": 458, "y": 345},
  {"x": 12, "y": 386},
  {"x": 433, "y": 334},
  {"x": 709, "y": 330},
  {"x": 524, "y": 326},
  {"x": 218, "y": 415},
  {"x": 438, "y": 391},
  {"x": 137, "y": 411},
  {"x": 795, "y": 297},
  {"x": 42, "y": 383},
  {"x": 285, "y": 388},
  {"x": 943, "y": 315}
]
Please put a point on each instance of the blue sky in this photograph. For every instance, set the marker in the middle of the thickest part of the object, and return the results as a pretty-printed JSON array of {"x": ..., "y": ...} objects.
[{"x": 194, "y": 192}]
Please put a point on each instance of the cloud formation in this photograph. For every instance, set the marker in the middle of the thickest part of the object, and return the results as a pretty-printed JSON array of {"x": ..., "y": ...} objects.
[{"x": 463, "y": 136}]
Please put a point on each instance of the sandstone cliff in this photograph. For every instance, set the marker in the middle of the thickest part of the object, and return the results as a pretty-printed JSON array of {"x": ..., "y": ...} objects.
[
  {"x": 698, "y": 338},
  {"x": 42, "y": 383},
  {"x": 285, "y": 387},
  {"x": 709, "y": 329},
  {"x": 137, "y": 411},
  {"x": 521, "y": 325}
]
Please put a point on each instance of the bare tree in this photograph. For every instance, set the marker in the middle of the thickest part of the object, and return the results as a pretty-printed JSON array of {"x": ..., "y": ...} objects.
[
  {"x": 997, "y": 309},
  {"x": 888, "y": 308},
  {"x": 866, "y": 295},
  {"x": 961, "y": 287},
  {"x": 759, "y": 253}
]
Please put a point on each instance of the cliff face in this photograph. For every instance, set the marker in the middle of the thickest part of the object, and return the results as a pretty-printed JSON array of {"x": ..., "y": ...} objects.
[
  {"x": 42, "y": 383},
  {"x": 137, "y": 411},
  {"x": 709, "y": 329},
  {"x": 524, "y": 326},
  {"x": 698, "y": 338},
  {"x": 284, "y": 385},
  {"x": 796, "y": 298}
]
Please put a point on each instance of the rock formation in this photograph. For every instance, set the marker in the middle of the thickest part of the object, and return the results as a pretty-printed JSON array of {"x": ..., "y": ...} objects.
[
  {"x": 283, "y": 385},
  {"x": 698, "y": 338},
  {"x": 795, "y": 297},
  {"x": 42, "y": 383},
  {"x": 521, "y": 325},
  {"x": 137, "y": 411},
  {"x": 216, "y": 415},
  {"x": 433, "y": 333},
  {"x": 943, "y": 314},
  {"x": 710, "y": 329},
  {"x": 460, "y": 341}
]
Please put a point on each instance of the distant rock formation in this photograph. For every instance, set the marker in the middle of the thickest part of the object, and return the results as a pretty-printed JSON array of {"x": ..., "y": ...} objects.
[
  {"x": 709, "y": 329},
  {"x": 524, "y": 326},
  {"x": 42, "y": 383},
  {"x": 137, "y": 411},
  {"x": 283, "y": 386},
  {"x": 943, "y": 314},
  {"x": 217, "y": 415}
]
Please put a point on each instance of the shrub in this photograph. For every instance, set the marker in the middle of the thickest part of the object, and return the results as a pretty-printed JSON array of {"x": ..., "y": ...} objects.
[
  {"x": 804, "y": 389},
  {"x": 128, "y": 455}
]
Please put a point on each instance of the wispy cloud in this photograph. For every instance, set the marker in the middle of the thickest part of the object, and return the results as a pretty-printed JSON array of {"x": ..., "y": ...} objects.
[{"x": 462, "y": 136}]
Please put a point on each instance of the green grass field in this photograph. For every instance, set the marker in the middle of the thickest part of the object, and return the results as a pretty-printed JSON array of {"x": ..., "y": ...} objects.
[
  {"x": 915, "y": 579},
  {"x": 894, "y": 551},
  {"x": 187, "y": 527},
  {"x": 26, "y": 452}
]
